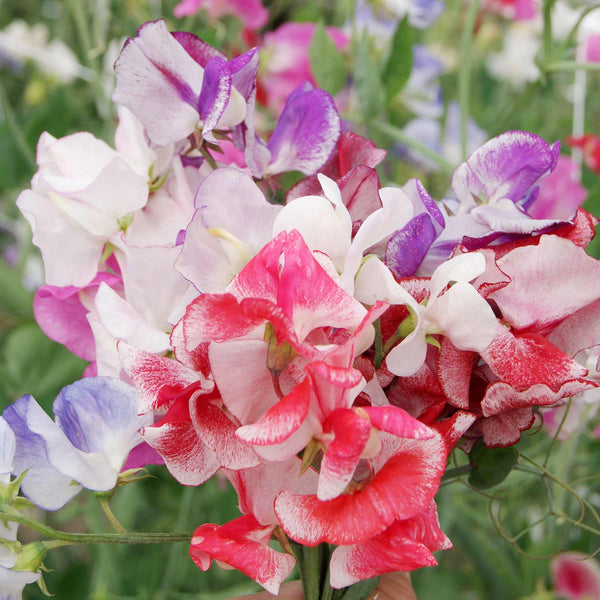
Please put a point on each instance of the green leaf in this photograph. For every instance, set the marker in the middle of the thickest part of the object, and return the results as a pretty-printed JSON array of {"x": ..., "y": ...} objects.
[
  {"x": 491, "y": 466},
  {"x": 367, "y": 81},
  {"x": 30, "y": 363},
  {"x": 360, "y": 590},
  {"x": 327, "y": 64},
  {"x": 399, "y": 61}
]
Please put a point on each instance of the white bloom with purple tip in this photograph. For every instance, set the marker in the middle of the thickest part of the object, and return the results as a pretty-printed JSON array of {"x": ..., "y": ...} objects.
[{"x": 176, "y": 84}]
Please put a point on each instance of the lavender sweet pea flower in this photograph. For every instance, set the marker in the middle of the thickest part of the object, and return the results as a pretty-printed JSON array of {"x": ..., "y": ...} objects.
[
  {"x": 176, "y": 83},
  {"x": 381, "y": 21},
  {"x": 508, "y": 166},
  {"x": 96, "y": 426},
  {"x": 407, "y": 247},
  {"x": 305, "y": 135},
  {"x": 494, "y": 189},
  {"x": 13, "y": 582}
]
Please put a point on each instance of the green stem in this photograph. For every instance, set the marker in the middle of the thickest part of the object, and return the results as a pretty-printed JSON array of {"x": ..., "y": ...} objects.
[
  {"x": 464, "y": 73},
  {"x": 110, "y": 514},
  {"x": 547, "y": 32},
  {"x": 15, "y": 129},
  {"x": 174, "y": 561},
  {"x": 558, "y": 430},
  {"x": 379, "y": 353},
  {"x": 398, "y": 135},
  {"x": 570, "y": 39},
  {"x": 208, "y": 157},
  {"x": 569, "y": 65},
  {"x": 130, "y": 537},
  {"x": 457, "y": 472}
]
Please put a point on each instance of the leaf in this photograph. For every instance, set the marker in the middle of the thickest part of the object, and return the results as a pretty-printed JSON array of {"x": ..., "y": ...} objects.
[
  {"x": 367, "y": 81},
  {"x": 398, "y": 66},
  {"x": 30, "y": 363},
  {"x": 360, "y": 590},
  {"x": 491, "y": 466},
  {"x": 326, "y": 62}
]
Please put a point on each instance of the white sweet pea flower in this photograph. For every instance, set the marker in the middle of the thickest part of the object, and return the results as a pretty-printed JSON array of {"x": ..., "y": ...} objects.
[
  {"x": 326, "y": 225},
  {"x": 459, "y": 313}
]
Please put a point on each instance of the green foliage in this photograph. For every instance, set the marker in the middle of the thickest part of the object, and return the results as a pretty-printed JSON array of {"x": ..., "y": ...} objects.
[
  {"x": 327, "y": 63},
  {"x": 396, "y": 70},
  {"x": 367, "y": 80},
  {"x": 491, "y": 466},
  {"x": 30, "y": 363}
]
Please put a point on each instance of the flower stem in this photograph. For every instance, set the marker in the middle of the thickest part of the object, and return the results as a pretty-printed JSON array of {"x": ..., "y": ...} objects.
[
  {"x": 129, "y": 537},
  {"x": 464, "y": 73},
  {"x": 397, "y": 134},
  {"x": 110, "y": 515}
]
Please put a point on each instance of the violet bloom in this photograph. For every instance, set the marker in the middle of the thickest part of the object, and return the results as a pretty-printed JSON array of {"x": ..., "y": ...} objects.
[
  {"x": 176, "y": 84},
  {"x": 304, "y": 138},
  {"x": 421, "y": 14},
  {"x": 96, "y": 426},
  {"x": 495, "y": 189}
]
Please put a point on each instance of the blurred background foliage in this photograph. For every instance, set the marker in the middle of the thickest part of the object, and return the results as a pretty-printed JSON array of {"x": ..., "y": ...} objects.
[{"x": 482, "y": 565}]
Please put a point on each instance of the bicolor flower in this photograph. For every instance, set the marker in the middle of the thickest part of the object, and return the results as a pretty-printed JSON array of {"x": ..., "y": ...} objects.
[
  {"x": 176, "y": 84},
  {"x": 96, "y": 426}
]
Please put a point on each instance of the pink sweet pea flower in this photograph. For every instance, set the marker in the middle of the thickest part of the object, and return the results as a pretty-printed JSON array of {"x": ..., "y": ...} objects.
[
  {"x": 242, "y": 544},
  {"x": 576, "y": 576},
  {"x": 251, "y": 12},
  {"x": 286, "y": 63},
  {"x": 561, "y": 193},
  {"x": 592, "y": 46}
]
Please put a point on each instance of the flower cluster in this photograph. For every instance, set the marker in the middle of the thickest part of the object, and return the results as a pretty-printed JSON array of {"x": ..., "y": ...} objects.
[{"x": 325, "y": 354}]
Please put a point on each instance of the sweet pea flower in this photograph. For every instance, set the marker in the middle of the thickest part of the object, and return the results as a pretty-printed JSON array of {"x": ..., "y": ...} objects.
[
  {"x": 561, "y": 193},
  {"x": 96, "y": 426},
  {"x": 232, "y": 222},
  {"x": 68, "y": 200},
  {"x": 576, "y": 576},
  {"x": 459, "y": 313},
  {"x": 251, "y": 12},
  {"x": 304, "y": 138},
  {"x": 285, "y": 61},
  {"x": 176, "y": 84},
  {"x": 11, "y": 582},
  {"x": 382, "y": 20},
  {"x": 326, "y": 225},
  {"x": 495, "y": 188}
]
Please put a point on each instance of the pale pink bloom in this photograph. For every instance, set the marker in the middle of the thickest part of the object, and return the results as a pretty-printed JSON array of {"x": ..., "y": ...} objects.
[
  {"x": 592, "y": 45},
  {"x": 575, "y": 576},
  {"x": 561, "y": 192},
  {"x": 68, "y": 209},
  {"x": 231, "y": 223},
  {"x": 251, "y": 12}
]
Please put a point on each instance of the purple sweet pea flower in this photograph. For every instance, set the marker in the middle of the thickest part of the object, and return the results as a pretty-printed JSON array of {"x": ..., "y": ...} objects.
[
  {"x": 176, "y": 83},
  {"x": 95, "y": 428},
  {"x": 407, "y": 247},
  {"x": 305, "y": 135},
  {"x": 508, "y": 166}
]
